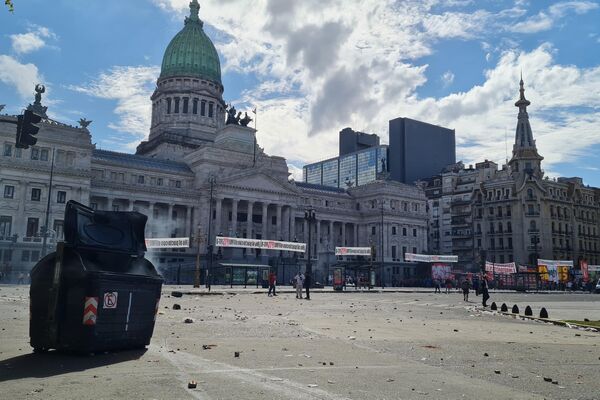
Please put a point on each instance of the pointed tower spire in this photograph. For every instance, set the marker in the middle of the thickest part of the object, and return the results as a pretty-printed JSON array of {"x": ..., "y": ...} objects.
[
  {"x": 524, "y": 149},
  {"x": 194, "y": 13}
]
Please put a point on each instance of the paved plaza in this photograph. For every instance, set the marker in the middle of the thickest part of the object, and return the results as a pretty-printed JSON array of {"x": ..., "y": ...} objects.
[{"x": 379, "y": 345}]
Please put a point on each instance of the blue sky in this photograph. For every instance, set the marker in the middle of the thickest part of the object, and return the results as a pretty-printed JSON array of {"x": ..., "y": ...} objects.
[{"x": 315, "y": 67}]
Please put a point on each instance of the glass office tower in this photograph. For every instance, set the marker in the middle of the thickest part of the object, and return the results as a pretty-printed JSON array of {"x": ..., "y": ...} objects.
[{"x": 354, "y": 169}]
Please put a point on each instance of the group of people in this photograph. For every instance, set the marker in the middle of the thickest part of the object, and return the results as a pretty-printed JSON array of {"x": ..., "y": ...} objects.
[
  {"x": 300, "y": 281},
  {"x": 481, "y": 288}
]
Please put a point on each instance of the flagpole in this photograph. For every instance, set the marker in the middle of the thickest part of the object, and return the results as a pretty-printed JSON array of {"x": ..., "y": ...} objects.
[{"x": 255, "y": 130}]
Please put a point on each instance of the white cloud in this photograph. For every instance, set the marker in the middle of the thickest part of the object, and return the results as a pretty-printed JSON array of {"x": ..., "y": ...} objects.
[
  {"x": 447, "y": 78},
  {"x": 131, "y": 87},
  {"x": 33, "y": 40},
  {"x": 544, "y": 20},
  {"x": 369, "y": 72},
  {"x": 23, "y": 77}
]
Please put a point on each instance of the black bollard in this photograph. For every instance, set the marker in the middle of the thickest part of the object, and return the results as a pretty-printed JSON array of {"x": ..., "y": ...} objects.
[
  {"x": 528, "y": 311},
  {"x": 494, "y": 306},
  {"x": 543, "y": 313},
  {"x": 504, "y": 307},
  {"x": 515, "y": 309}
]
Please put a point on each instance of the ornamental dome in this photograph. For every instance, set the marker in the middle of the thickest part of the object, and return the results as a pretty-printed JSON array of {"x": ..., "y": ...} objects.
[{"x": 191, "y": 52}]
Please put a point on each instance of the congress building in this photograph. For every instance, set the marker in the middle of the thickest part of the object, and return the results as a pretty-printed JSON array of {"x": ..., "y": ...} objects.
[{"x": 200, "y": 155}]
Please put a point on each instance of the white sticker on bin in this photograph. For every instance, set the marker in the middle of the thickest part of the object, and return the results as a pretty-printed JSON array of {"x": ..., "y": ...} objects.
[{"x": 110, "y": 300}]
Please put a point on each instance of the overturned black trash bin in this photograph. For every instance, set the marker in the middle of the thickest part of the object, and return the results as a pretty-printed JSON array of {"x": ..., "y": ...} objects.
[{"x": 97, "y": 292}]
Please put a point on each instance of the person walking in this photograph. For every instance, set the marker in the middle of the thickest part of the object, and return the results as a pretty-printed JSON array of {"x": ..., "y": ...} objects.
[
  {"x": 466, "y": 285},
  {"x": 272, "y": 282},
  {"x": 448, "y": 285},
  {"x": 437, "y": 285},
  {"x": 299, "y": 279},
  {"x": 484, "y": 290}
]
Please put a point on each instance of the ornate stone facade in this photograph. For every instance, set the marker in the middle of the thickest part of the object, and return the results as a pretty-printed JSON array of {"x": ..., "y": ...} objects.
[
  {"x": 169, "y": 180},
  {"x": 514, "y": 213}
]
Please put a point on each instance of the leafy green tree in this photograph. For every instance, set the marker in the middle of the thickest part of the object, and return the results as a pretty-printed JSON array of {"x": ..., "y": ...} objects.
[{"x": 10, "y": 5}]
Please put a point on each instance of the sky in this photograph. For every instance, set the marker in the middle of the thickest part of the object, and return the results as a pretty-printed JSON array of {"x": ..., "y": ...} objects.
[{"x": 314, "y": 67}]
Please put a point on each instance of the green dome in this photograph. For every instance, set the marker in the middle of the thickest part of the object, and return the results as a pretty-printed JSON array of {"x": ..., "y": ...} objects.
[{"x": 191, "y": 52}]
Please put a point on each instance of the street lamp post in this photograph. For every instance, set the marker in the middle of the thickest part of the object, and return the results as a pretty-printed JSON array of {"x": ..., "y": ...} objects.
[
  {"x": 310, "y": 217},
  {"x": 381, "y": 247},
  {"x": 212, "y": 180}
]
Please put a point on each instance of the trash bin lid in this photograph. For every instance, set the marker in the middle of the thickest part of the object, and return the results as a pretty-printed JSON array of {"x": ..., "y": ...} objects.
[{"x": 117, "y": 231}]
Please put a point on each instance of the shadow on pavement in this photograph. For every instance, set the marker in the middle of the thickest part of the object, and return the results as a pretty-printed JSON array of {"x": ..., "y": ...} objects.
[{"x": 54, "y": 363}]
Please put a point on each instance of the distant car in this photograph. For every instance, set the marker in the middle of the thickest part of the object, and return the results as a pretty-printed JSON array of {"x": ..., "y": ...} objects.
[{"x": 598, "y": 286}]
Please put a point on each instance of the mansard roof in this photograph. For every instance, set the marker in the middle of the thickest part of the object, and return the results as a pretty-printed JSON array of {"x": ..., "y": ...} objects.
[{"x": 141, "y": 162}]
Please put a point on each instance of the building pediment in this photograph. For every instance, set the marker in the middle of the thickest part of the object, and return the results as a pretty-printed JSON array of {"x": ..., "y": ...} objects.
[{"x": 259, "y": 182}]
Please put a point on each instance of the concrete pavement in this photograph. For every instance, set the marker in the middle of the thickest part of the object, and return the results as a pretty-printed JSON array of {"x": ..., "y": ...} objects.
[{"x": 389, "y": 345}]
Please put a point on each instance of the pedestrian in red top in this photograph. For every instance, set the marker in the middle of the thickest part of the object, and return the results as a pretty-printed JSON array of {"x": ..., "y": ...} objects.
[{"x": 272, "y": 282}]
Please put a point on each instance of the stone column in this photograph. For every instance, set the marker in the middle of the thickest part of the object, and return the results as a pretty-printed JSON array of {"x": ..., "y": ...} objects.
[
  {"x": 264, "y": 220},
  {"x": 343, "y": 234},
  {"x": 292, "y": 224},
  {"x": 234, "y": 211},
  {"x": 331, "y": 242},
  {"x": 185, "y": 220},
  {"x": 249, "y": 219},
  {"x": 318, "y": 235},
  {"x": 278, "y": 230},
  {"x": 218, "y": 211},
  {"x": 356, "y": 235}
]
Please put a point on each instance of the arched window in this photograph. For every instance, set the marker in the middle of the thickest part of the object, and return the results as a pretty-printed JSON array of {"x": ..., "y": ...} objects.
[
  {"x": 203, "y": 108},
  {"x": 168, "y": 105},
  {"x": 195, "y": 106},
  {"x": 176, "y": 111},
  {"x": 530, "y": 193},
  {"x": 211, "y": 107},
  {"x": 185, "y": 105}
]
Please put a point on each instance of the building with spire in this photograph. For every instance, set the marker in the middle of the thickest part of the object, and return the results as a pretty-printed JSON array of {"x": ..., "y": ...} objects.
[
  {"x": 201, "y": 167},
  {"x": 516, "y": 213}
]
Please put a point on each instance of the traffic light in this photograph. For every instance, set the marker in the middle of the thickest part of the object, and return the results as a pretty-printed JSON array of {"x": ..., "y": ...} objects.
[{"x": 26, "y": 129}]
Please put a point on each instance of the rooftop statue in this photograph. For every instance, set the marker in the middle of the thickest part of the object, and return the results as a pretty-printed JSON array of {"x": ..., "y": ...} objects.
[
  {"x": 246, "y": 120},
  {"x": 37, "y": 107},
  {"x": 232, "y": 119},
  {"x": 84, "y": 123}
]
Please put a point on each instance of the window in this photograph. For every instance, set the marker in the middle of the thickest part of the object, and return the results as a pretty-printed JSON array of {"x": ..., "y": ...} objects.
[
  {"x": 393, "y": 230},
  {"x": 18, "y": 153},
  {"x": 203, "y": 108},
  {"x": 403, "y": 231},
  {"x": 168, "y": 105},
  {"x": 195, "y": 106},
  {"x": 61, "y": 197},
  {"x": 59, "y": 229},
  {"x": 176, "y": 111},
  {"x": 115, "y": 207},
  {"x": 35, "y": 255},
  {"x": 7, "y": 149},
  {"x": 273, "y": 220},
  {"x": 373, "y": 230},
  {"x": 393, "y": 252},
  {"x": 140, "y": 179},
  {"x": 414, "y": 250},
  {"x": 32, "y": 227},
  {"x": 211, "y": 107},
  {"x": 185, "y": 105},
  {"x": 44, "y": 155},
  {"x": 9, "y": 192},
  {"x": 35, "y": 153},
  {"x": 177, "y": 184},
  {"x": 25, "y": 255},
  {"x": 479, "y": 243},
  {"x": 36, "y": 194},
  {"x": 415, "y": 232},
  {"x": 94, "y": 206},
  {"x": 5, "y": 225}
]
